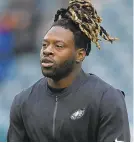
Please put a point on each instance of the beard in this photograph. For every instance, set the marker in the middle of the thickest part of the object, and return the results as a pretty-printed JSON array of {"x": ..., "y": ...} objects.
[{"x": 58, "y": 72}]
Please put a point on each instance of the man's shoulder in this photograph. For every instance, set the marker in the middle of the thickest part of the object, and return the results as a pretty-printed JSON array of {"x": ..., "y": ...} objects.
[
  {"x": 24, "y": 94},
  {"x": 96, "y": 82},
  {"x": 99, "y": 86}
]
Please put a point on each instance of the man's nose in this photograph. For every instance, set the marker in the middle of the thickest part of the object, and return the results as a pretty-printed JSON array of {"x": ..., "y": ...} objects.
[{"x": 48, "y": 50}]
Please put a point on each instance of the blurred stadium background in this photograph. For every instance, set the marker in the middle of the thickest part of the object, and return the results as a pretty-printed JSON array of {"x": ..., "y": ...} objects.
[{"x": 22, "y": 26}]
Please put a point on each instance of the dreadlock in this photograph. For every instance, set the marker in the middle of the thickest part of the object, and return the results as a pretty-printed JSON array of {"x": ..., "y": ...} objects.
[{"x": 82, "y": 19}]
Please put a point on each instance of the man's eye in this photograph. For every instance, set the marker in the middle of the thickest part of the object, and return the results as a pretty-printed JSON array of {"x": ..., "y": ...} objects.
[
  {"x": 44, "y": 45},
  {"x": 59, "y": 46}
]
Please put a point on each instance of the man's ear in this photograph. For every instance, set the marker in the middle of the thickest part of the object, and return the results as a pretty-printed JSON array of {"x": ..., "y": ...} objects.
[{"x": 80, "y": 56}]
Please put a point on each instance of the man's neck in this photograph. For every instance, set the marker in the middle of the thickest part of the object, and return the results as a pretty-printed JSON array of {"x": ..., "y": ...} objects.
[{"x": 65, "y": 82}]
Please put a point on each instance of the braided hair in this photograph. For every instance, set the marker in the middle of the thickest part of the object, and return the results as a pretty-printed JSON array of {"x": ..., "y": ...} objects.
[{"x": 82, "y": 19}]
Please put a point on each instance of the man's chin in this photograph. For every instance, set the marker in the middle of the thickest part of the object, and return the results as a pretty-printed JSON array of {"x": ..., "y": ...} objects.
[
  {"x": 52, "y": 75},
  {"x": 48, "y": 74}
]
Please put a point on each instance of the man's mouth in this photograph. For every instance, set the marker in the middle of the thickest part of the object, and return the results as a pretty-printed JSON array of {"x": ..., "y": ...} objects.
[
  {"x": 47, "y": 65},
  {"x": 47, "y": 62}
]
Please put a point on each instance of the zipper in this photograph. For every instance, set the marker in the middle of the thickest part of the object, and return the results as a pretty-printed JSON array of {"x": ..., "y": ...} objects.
[{"x": 54, "y": 115}]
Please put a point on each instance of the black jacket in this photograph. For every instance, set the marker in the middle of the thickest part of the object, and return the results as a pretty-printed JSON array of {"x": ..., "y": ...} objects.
[{"x": 89, "y": 110}]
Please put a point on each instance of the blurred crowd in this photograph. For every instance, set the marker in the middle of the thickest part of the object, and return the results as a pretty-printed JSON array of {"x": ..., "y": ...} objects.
[{"x": 22, "y": 26}]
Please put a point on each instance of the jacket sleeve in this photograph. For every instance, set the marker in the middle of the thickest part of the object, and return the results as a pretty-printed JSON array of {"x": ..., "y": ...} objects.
[
  {"x": 113, "y": 118},
  {"x": 16, "y": 131}
]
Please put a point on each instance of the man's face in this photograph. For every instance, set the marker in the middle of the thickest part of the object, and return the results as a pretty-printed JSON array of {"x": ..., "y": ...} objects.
[{"x": 58, "y": 53}]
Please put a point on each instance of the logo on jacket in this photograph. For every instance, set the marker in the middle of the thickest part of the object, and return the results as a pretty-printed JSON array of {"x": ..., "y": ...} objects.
[{"x": 78, "y": 114}]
